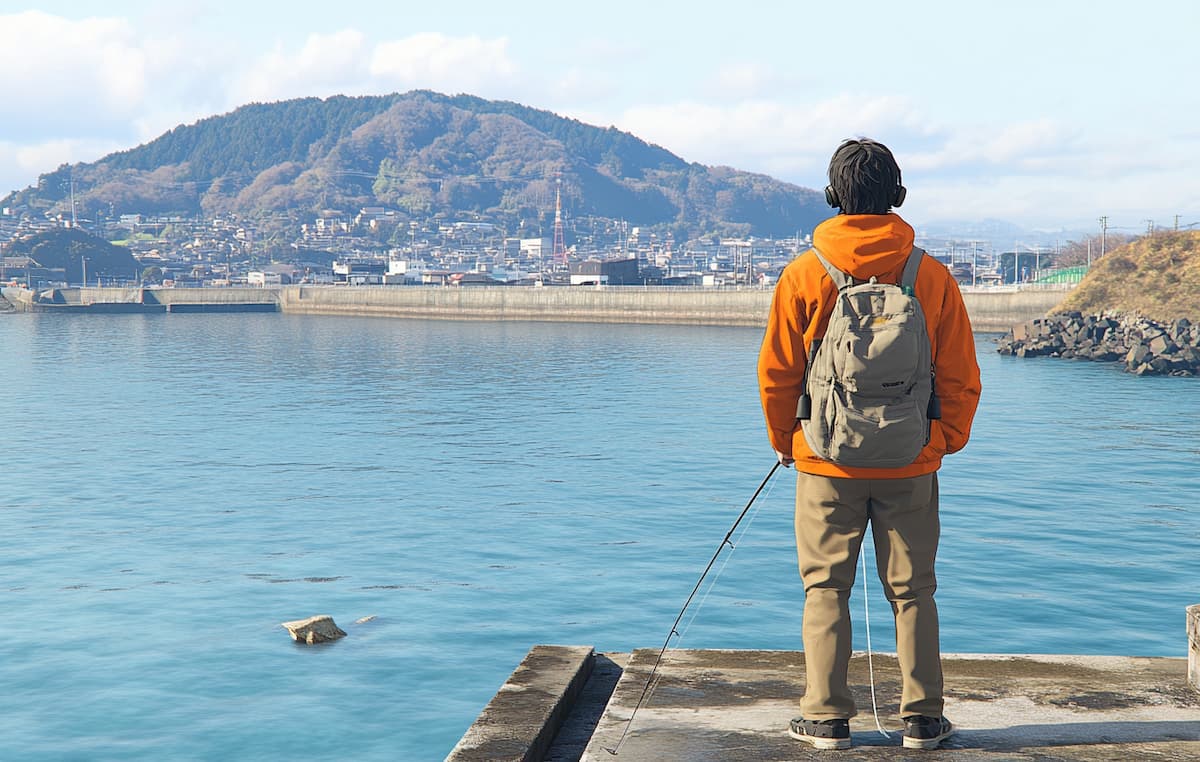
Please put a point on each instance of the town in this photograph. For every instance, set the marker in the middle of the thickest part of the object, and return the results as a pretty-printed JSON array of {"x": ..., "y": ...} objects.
[{"x": 379, "y": 246}]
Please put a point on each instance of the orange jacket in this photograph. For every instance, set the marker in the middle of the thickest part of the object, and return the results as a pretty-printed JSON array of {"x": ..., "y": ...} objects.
[{"x": 865, "y": 245}]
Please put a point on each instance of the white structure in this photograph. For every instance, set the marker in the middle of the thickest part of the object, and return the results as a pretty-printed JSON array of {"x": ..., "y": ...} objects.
[
  {"x": 263, "y": 279},
  {"x": 536, "y": 248}
]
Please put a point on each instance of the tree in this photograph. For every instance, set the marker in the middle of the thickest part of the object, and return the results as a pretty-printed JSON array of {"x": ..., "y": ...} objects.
[
  {"x": 153, "y": 275},
  {"x": 1089, "y": 248}
]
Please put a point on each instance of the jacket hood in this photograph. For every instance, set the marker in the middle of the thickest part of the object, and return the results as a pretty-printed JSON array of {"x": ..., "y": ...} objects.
[{"x": 865, "y": 245}]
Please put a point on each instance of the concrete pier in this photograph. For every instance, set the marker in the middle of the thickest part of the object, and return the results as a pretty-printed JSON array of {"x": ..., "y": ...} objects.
[
  {"x": 734, "y": 706},
  {"x": 1193, "y": 634}
]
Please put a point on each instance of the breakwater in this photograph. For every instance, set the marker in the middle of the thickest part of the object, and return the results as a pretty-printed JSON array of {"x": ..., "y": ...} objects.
[
  {"x": 556, "y": 304},
  {"x": 1146, "y": 347},
  {"x": 990, "y": 310},
  {"x": 131, "y": 299}
]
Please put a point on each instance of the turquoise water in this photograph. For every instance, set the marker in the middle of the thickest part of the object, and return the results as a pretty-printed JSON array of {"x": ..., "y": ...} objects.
[{"x": 175, "y": 486}]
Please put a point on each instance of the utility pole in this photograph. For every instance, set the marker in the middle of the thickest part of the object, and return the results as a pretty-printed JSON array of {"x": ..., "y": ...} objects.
[
  {"x": 1149, "y": 227},
  {"x": 1177, "y": 223},
  {"x": 1103, "y": 234}
]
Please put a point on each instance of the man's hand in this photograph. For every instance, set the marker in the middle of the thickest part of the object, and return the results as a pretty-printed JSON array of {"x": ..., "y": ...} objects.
[{"x": 785, "y": 460}]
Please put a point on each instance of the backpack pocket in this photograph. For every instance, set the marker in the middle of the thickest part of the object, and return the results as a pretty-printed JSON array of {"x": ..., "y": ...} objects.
[
  {"x": 882, "y": 360},
  {"x": 876, "y": 436}
]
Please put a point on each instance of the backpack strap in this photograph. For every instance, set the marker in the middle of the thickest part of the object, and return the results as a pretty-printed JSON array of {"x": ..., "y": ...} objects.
[
  {"x": 839, "y": 278},
  {"x": 908, "y": 280}
]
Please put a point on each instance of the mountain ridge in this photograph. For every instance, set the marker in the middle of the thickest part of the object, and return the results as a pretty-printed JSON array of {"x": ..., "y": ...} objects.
[{"x": 423, "y": 154}]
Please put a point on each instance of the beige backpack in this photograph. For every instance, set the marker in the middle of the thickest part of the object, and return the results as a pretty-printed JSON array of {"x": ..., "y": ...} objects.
[{"x": 869, "y": 385}]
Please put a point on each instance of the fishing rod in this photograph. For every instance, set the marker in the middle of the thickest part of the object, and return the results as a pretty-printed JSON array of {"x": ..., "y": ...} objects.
[{"x": 674, "y": 627}]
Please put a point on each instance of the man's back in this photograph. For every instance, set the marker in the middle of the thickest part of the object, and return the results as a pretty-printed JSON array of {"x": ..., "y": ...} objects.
[{"x": 865, "y": 246}]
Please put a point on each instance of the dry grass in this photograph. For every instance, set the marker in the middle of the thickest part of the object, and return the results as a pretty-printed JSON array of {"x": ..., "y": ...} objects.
[{"x": 1157, "y": 276}]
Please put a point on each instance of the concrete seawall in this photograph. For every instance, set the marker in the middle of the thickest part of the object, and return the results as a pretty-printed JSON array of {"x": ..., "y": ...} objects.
[
  {"x": 558, "y": 304},
  {"x": 989, "y": 311},
  {"x": 132, "y": 299},
  {"x": 996, "y": 310}
]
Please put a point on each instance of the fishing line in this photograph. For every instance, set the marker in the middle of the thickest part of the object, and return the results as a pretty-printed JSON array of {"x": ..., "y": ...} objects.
[
  {"x": 721, "y": 569},
  {"x": 867, "y": 616},
  {"x": 674, "y": 626}
]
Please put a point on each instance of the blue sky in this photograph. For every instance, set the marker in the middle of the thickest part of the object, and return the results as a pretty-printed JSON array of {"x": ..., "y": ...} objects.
[{"x": 1047, "y": 114}]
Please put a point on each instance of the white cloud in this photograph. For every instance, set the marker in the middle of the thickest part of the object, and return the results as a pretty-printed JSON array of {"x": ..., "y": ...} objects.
[
  {"x": 346, "y": 62},
  {"x": 60, "y": 71},
  {"x": 450, "y": 64},
  {"x": 1034, "y": 144},
  {"x": 21, "y": 163},
  {"x": 327, "y": 64},
  {"x": 1041, "y": 171},
  {"x": 791, "y": 140},
  {"x": 1061, "y": 184},
  {"x": 104, "y": 82}
]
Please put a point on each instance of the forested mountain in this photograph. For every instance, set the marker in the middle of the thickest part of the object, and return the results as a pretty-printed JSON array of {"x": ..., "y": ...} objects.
[{"x": 423, "y": 154}]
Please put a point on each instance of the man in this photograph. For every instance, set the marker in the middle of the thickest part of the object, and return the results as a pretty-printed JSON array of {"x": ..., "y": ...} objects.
[{"x": 835, "y": 502}]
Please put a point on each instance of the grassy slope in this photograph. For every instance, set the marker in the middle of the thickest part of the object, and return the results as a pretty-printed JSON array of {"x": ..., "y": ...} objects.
[{"x": 1157, "y": 276}]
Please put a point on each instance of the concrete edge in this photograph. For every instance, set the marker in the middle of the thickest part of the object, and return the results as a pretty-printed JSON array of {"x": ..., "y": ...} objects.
[
  {"x": 521, "y": 720},
  {"x": 1193, "y": 635}
]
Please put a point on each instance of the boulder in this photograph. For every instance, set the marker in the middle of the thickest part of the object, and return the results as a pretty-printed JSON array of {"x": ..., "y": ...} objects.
[
  {"x": 1161, "y": 344},
  {"x": 1145, "y": 346},
  {"x": 315, "y": 629},
  {"x": 1137, "y": 355}
]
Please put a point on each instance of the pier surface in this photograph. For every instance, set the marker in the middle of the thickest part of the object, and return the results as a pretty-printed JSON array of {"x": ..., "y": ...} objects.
[{"x": 734, "y": 706}]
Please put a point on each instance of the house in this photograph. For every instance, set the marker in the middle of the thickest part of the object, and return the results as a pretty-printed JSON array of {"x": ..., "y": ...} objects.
[{"x": 612, "y": 272}]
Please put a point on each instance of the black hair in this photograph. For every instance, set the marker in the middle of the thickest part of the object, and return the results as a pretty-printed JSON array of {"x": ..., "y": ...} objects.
[{"x": 864, "y": 178}]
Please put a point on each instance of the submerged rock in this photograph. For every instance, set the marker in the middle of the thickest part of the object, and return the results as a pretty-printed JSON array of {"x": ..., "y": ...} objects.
[{"x": 315, "y": 629}]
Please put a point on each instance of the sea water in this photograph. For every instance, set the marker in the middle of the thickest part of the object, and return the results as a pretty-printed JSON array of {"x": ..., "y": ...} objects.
[{"x": 176, "y": 486}]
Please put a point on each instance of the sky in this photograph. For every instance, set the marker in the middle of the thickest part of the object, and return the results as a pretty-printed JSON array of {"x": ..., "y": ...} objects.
[{"x": 1045, "y": 114}]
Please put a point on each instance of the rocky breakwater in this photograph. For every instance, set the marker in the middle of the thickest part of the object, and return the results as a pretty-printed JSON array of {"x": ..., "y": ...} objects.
[{"x": 1145, "y": 346}]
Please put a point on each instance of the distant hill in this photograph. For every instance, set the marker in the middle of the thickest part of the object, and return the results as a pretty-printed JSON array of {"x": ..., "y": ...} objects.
[
  {"x": 1157, "y": 276},
  {"x": 424, "y": 154},
  {"x": 71, "y": 251}
]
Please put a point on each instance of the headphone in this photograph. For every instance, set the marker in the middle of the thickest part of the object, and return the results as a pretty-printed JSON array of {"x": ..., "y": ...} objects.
[{"x": 831, "y": 197}]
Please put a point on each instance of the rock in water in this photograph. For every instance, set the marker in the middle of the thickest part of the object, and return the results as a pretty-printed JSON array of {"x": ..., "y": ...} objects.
[{"x": 315, "y": 629}]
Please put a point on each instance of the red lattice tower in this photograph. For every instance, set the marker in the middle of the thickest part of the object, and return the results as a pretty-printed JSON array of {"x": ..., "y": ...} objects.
[{"x": 560, "y": 243}]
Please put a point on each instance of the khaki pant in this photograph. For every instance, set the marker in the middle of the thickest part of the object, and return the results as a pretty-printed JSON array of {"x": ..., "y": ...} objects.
[{"x": 831, "y": 519}]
